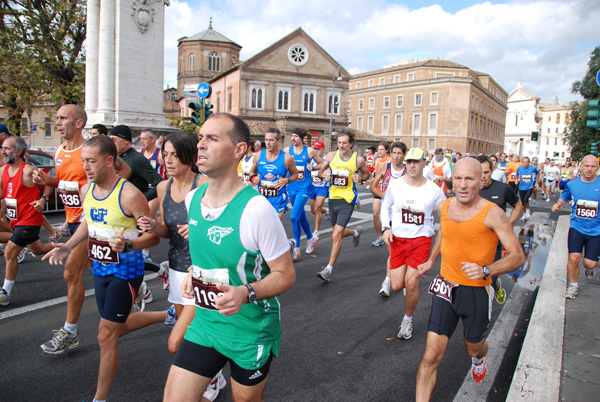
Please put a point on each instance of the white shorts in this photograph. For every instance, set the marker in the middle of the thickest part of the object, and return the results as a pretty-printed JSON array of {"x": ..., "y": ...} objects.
[{"x": 175, "y": 279}]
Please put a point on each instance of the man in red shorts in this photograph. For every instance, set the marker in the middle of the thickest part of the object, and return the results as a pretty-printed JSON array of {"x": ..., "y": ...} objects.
[{"x": 409, "y": 204}]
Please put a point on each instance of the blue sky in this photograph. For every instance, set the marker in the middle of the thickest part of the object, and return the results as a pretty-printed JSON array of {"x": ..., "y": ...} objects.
[{"x": 544, "y": 43}]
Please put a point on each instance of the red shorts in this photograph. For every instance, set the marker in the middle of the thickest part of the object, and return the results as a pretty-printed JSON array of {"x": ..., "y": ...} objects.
[{"x": 412, "y": 252}]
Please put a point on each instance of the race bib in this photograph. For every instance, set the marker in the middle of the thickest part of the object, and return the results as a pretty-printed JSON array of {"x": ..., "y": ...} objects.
[
  {"x": 413, "y": 214},
  {"x": 442, "y": 287},
  {"x": 204, "y": 285},
  {"x": 584, "y": 209},
  {"x": 68, "y": 191},
  {"x": 513, "y": 176},
  {"x": 268, "y": 189},
  {"x": 11, "y": 208},
  {"x": 101, "y": 251},
  {"x": 526, "y": 179},
  {"x": 315, "y": 177},
  {"x": 300, "y": 172},
  {"x": 340, "y": 178}
]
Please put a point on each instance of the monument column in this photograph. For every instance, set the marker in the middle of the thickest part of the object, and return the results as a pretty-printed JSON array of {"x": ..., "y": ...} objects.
[
  {"x": 91, "y": 65},
  {"x": 106, "y": 62}
]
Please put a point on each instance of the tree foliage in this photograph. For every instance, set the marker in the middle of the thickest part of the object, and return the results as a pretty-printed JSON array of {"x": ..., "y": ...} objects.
[
  {"x": 580, "y": 136},
  {"x": 41, "y": 54}
]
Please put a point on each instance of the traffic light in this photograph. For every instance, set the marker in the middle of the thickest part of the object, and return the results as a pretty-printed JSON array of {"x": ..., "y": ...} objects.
[
  {"x": 197, "y": 114},
  {"x": 535, "y": 135},
  {"x": 595, "y": 148},
  {"x": 594, "y": 113},
  {"x": 207, "y": 111}
]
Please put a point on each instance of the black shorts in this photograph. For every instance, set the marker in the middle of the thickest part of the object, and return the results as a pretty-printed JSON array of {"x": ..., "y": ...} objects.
[
  {"x": 376, "y": 197},
  {"x": 73, "y": 227},
  {"x": 25, "y": 235},
  {"x": 524, "y": 195},
  {"x": 577, "y": 241},
  {"x": 513, "y": 185},
  {"x": 340, "y": 212},
  {"x": 207, "y": 362},
  {"x": 471, "y": 303},
  {"x": 115, "y": 296}
]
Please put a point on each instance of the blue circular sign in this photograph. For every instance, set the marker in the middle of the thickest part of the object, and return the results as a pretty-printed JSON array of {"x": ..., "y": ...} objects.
[{"x": 204, "y": 90}]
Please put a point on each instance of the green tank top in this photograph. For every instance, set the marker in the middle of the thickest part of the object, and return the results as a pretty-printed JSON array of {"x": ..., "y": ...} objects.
[{"x": 216, "y": 245}]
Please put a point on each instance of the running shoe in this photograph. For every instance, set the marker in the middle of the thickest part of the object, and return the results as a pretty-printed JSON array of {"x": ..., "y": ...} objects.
[
  {"x": 295, "y": 253},
  {"x": 292, "y": 247},
  {"x": 310, "y": 244},
  {"x": 147, "y": 294},
  {"x": 146, "y": 255},
  {"x": 218, "y": 383},
  {"x": 324, "y": 274},
  {"x": 171, "y": 316},
  {"x": 386, "y": 287},
  {"x": 405, "y": 330},
  {"x": 589, "y": 273},
  {"x": 61, "y": 341},
  {"x": 533, "y": 202},
  {"x": 571, "y": 292},
  {"x": 21, "y": 256},
  {"x": 56, "y": 236},
  {"x": 315, "y": 235},
  {"x": 164, "y": 277},
  {"x": 138, "y": 303},
  {"x": 524, "y": 218},
  {"x": 378, "y": 242},
  {"x": 478, "y": 371},
  {"x": 528, "y": 214},
  {"x": 357, "y": 203},
  {"x": 500, "y": 292},
  {"x": 64, "y": 228},
  {"x": 356, "y": 239},
  {"x": 327, "y": 214},
  {"x": 4, "y": 298}
]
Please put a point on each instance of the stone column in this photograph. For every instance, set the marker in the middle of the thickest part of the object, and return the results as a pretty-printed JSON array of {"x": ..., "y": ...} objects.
[
  {"x": 91, "y": 65},
  {"x": 106, "y": 62}
]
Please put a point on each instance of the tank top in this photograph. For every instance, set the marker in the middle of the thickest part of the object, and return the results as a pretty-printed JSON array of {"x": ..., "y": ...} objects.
[
  {"x": 219, "y": 252},
  {"x": 469, "y": 241},
  {"x": 269, "y": 171},
  {"x": 390, "y": 175},
  {"x": 160, "y": 169},
  {"x": 439, "y": 171},
  {"x": 380, "y": 162},
  {"x": 342, "y": 185},
  {"x": 245, "y": 166},
  {"x": 71, "y": 177},
  {"x": 18, "y": 197},
  {"x": 176, "y": 214},
  {"x": 302, "y": 160},
  {"x": 105, "y": 218}
]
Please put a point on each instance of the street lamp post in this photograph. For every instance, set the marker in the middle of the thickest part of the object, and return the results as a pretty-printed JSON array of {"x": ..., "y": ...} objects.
[{"x": 332, "y": 103}]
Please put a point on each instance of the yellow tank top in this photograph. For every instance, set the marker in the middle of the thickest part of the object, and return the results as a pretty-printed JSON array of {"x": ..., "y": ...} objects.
[
  {"x": 105, "y": 217},
  {"x": 342, "y": 185}
]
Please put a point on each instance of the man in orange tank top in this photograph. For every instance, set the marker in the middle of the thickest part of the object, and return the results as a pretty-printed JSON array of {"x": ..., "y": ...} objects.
[
  {"x": 470, "y": 229},
  {"x": 23, "y": 208}
]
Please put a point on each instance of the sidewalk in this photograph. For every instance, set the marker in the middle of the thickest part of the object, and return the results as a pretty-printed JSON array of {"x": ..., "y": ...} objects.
[{"x": 560, "y": 358}]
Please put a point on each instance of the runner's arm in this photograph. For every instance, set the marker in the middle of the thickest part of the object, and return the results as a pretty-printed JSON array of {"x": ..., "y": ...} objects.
[
  {"x": 157, "y": 226},
  {"x": 254, "y": 169},
  {"x": 315, "y": 157},
  {"x": 134, "y": 204},
  {"x": 362, "y": 167},
  {"x": 376, "y": 179},
  {"x": 290, "y": 164},
  {"x": 435, "y": 250},
  {"x": 122, "y": 168},
  {"x": 325, "y": 164},
  {"x": 516, "y": 212}
]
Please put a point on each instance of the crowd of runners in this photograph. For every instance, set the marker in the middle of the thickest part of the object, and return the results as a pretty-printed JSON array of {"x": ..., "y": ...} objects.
[{"x": 225, "y": 195}]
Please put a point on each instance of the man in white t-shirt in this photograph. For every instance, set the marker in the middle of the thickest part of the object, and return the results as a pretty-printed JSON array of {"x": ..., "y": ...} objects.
[
  {"x": 552, "y": 173},
  {"x": 409, "y": 204}
]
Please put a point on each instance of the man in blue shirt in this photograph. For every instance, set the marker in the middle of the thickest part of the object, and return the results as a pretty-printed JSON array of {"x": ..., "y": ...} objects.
[
  {"x": 526, "y": 177},
  {"x": 585, "y": 223}
]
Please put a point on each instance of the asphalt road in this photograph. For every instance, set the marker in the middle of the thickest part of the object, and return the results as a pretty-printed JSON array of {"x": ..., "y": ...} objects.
[{"x": 338, "y": 340}]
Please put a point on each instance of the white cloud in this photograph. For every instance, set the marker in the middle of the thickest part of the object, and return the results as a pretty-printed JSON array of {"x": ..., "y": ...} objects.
[{"x": 545, "y": 44}]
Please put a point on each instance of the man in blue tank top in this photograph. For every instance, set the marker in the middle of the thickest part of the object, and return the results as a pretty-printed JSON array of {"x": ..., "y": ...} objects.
[
  {"x": 273, "y": 170},
  {"x": 300, "y": 189}
]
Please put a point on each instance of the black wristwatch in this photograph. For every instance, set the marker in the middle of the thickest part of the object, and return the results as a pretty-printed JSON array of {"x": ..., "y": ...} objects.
[
  {"x": 486, "y": 271},
  {"x": 251, "y": 294},
  {"x": 128, "y": 246},
  {"x": 46, "y": 198}
]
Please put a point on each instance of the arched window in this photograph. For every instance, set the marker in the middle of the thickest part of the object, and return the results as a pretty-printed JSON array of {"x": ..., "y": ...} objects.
[
  {"x": 214, "y": 62},
  {"x": 333, "y": 103},
  {"x": 191, "y": 62}
]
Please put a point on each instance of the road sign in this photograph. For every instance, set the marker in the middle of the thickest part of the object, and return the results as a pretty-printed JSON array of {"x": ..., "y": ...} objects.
[
  {"x": 598, "y": 78},
  {"x": 33, "y": 127},
  {"x": 190, "y": 91},
  {"x": 204, "y": 90}
]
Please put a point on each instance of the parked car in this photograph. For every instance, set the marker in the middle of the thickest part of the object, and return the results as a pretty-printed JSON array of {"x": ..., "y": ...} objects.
[{"x": 45, "y": 161}]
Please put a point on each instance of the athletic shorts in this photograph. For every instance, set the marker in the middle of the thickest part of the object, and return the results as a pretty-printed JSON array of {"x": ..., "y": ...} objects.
[
  {"x": 279, "y": 202},
  {"x": 512, "y": 185},
  {"x": 577, "y": 241},
  {"x": 524, "y": 195},
  {"x": 340, "y": 212},
  {"x": 207, "y": 361},
  {"x": 115, "y": 296},
  {"x": 175, "y": 296},
  {"x": 471, "y": 303},
  {"x": 551, "y": 183},
  {"x": 376, "y": 197},
  {"x": 25, "y": 235},
  {"x": 562, "y": 184},
  {"x": 73, "y": 227},
  {"x": 412, "y": 252}
]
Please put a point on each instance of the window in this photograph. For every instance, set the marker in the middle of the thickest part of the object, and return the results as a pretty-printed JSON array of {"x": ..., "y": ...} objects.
[
  {"x": 333, "y": 103},
  {"x": 432, "y": 123},
  {"x": 415, "y": 142},
  {"x": 371, "y": 83},
  {"x": 410, "y": 77},
  {"x": 349, "y": 105},
  {"x": 283, "y": 99},
  {"x": 416, "y": 124},
  {"x": 385, "y": 124},
  {"x": 398, "y": 124},
  {"x": 418, "y": 100},
  {"x": 431, "y": 143},
  {"x": 382, "y": 81},
  {"x": 434, "y": 98},
  {"x": 218, "y": 102},
  {"x": 396, "y": 79},
  {"x": 361, "y": 104},
  {"x": 386, "y": 102},
  {"x": 371, "y": 103},
  {"x": 546, "y": 153},
  {"x": 399, "y": 100},
  {"x": 556, "y": 130},
  {"x": 549, "y": 118},
  {"x": 229, "y": 99},
  {"x": 370, "y": 124},
  {"x": 257, "y": 97},
  {"x": 566, "y": 118},
  {"x": 556, "y": 141},
  {"x": 472, "y": 100},
  {"x": 309, "y": 100},
  {"x": 516, "y": 120},
  {"x": 24, "y": 127},
  {"x": 191, "y": 62},
  {"x": 359, "y": 123},
  {"x": 443, "y": 75},
  {"x": 358, "y": 85},
  {"x": 47, "y": 127},
  {"x": 548, "y": 130},
  {"x": 214, "y": 62}
]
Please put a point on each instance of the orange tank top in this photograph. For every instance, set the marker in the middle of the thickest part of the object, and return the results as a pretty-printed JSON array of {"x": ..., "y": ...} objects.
[
  {"x": 469, "y": 241},
  {"x": 71, "y": 177},
  {"x": 379, "y": 162},
  {"x": 439, "y": 171}
]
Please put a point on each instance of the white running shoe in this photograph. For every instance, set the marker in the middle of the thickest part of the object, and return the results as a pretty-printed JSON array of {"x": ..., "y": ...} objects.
[
  {"x": 405, "y": 330},
  {"x": 22, "y": 254},
  {"x": 218, "y": 383},
  {"x": 356, "y": 239},
  {"x": 164, "y": 277},
  {"x": 324, "y": 274},
  {"x": 386, "y": 287},
  {"x": 310, "y": 244}
]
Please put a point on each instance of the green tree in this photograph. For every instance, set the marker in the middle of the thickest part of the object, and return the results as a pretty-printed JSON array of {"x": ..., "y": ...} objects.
[
  {"x": 580, "y": 136},
  {"x": 41, "y": 54}
]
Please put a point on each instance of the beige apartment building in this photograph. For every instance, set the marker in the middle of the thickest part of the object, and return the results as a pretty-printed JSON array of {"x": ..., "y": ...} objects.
[
  {"x": 430, "y": 104},
  {"x": 553, "y": 131},
  {"x": 42, "y": 133}
]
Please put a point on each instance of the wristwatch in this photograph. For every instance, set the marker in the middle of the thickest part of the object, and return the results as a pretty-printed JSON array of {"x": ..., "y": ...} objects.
[
  {"x": 251, "y": 294},
  {"x": 128, "y": 246},
  {"x": 486, "y": 271},
  {"x": 46, "y": 198}
]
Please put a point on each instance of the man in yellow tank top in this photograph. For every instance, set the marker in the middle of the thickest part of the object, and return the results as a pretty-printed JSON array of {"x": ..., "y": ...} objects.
[
  {"x": 470, "y": 229},
  {"x": 343, "y": 165}
]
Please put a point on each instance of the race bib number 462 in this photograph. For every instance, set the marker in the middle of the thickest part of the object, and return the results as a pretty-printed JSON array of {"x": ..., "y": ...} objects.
[{"x": 100, "y": 250}]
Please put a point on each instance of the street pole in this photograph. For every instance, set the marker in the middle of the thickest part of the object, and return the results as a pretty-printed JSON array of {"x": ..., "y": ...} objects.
[{"x": 331, "y": 104}]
